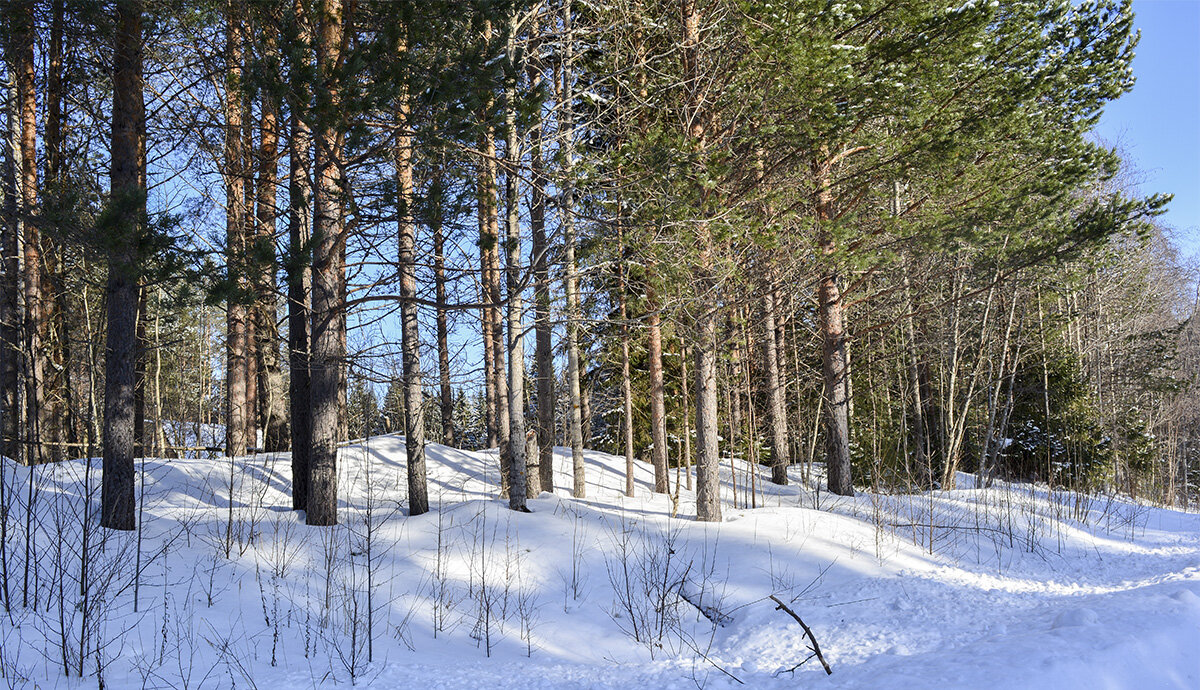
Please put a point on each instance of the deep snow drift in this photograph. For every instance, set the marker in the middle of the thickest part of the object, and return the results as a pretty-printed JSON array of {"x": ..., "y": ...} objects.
[{"x": 1009, "y": 587}]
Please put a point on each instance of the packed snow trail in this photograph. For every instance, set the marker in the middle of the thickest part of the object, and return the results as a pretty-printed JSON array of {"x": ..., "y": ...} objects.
[{"x": 1010, "y": 587}]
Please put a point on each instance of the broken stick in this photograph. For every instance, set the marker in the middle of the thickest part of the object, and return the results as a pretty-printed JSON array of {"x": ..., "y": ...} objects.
[{"x": 807, "y": 631}]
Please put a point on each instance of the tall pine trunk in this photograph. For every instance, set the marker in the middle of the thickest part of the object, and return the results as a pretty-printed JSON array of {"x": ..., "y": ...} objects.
[
  {"x": 249, "y": 278},
  {"x": 571, "y": 280},
  {"x": 658, "y": 409},
  {"x": 626, "y": 383},
  {"x": 410, "y": 335},
  {"x": 270, "y": 374},
  {"x": 128, "y": 198},
  {"x": 831, "y": 320},
  {"x": 237, "y": 415},
  {"x": 489, "y": 277},
  {"x": 515, "y": 341},
  {"x": 329, "y": 270},
  {"x": 139, "y": 376},
  {"x": 60, "y": 413},
  {"x": 776, "y": 403},
  {"x": 708, "y": 486},
  {"x": 299, "y": 272},
  {"x": 543, "y": 328},
  {"x": 10, "y": 346},
  {"x": 36, "y": 323},
  {"x": 445, "y": 394}
]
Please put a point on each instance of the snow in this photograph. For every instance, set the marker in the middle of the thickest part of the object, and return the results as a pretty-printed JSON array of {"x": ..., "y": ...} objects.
[{"x": 1006, "y": 587}]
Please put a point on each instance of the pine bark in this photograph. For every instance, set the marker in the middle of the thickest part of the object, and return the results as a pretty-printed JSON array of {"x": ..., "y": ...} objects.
[
  {"x": 626, "y": 377},
  {"x": 708, "y": 487},
  {"x": 60, "y": 413},
  {"x": 489, "y": 275},
  {"x": 446, "y": 398},
  {"x": 10, "y": 346},
  {"x": 571, "y": 280},
  {"x": 299, "y": 274},
  {"x": 36, "y": 322},
  {"x": 237, "y": 415},
  {"x": 139, "y": 375},
  {"x": 775, "y": 392},
  {"x": 831, "y": 320},
  {"x": 270, "y": 375},
  {"x": 516, "y": 330},
  {"x": 128, "y": 198},
  {"x": 249, "y": 278},
  {"x": 543, "y": 328},
  {"x": 329, "y": 270},
  {"x": 686, "y": 460},
  {"x": 658, "y": 409},
  {"x": 414, "y": 416}
]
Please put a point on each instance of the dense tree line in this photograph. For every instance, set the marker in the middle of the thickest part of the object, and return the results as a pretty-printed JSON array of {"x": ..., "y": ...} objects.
[{"x": 877, "y": 239}]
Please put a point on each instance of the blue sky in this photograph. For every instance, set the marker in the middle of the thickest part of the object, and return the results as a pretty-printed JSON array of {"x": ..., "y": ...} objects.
[{"x": 1157, "y": 125}]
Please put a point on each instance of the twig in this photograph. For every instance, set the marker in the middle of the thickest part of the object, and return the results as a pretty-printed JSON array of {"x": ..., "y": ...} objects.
[
  {"x": 713, "y": 615},
  {"x": 807, "y": 631},
  {"x": 970, "y": 528},
  {"x": 856, "y": 601}
]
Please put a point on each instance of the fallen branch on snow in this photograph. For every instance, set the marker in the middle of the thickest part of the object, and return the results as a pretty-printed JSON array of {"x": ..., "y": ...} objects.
[
  {"x": 807, "y": 631},
  {"x": 713, "y": 614}
]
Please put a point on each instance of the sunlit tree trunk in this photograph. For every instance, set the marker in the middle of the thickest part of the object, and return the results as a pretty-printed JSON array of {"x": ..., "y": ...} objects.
[
  {"x": 571, "y": 279},
  {"x": 515, "y": 342},
  {"x": 626, "y": 382},
  {"x": 329, "y": 270},
  {"x": 708, "y": 487},
  {"x": 776, "y": 403},
  {"x": 36, "y": 324},
  {"x": 658, "y": 410},
  {"x": 237, "y": 412},
  {"x": 410, "y": 335},
  {"x": 831, "y": 320},
  {"x": 270, "y": 375}
]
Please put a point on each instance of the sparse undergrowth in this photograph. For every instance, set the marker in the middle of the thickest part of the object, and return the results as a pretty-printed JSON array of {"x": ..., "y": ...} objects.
[{"x": 225, "y": 588}]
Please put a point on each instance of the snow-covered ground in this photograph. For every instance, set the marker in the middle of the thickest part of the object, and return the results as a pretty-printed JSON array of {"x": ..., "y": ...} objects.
[{"x": 1007, "y": 587}]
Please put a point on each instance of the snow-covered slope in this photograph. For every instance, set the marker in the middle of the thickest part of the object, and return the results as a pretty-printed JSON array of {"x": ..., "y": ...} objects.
[{"x": 1008, "y": 587}]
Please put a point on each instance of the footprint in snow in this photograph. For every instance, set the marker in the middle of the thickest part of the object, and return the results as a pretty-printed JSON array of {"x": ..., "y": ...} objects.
[
  {"x": 1075, "y": 618},
  {"x": 1187, "y": 598}
]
